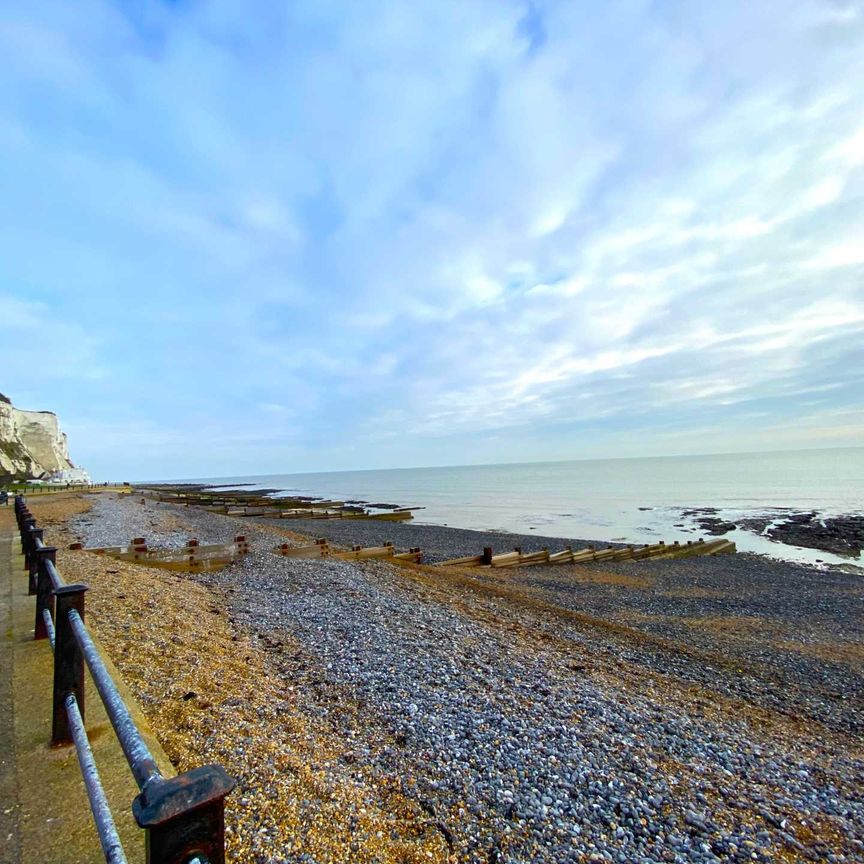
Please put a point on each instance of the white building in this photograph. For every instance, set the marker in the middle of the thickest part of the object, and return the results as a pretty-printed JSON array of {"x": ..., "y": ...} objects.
[{"x": 69, "y": 475}]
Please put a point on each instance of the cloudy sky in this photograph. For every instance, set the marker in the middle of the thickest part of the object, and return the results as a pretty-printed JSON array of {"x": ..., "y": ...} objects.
[{"x": 252, "y": 237}]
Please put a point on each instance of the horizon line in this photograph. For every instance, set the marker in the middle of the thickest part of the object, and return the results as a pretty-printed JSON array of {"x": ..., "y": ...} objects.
[{"x": 501, "y": 464}]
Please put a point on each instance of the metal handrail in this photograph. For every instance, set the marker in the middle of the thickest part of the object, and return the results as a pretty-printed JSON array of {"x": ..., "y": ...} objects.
[
  {"x": 138, "y": 755},
  {"x": 182, "y": 815},
  {"x": 53, "y": 575},
  {"x": 109, "y": 839},
  {"x": 49, "y": 627},
  {"x": 105, "y": 827}
]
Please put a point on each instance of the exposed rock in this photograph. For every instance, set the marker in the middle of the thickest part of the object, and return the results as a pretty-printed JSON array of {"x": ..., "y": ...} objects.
[
  {"x": 715, "y": 525},
  {"x": 31, "y": 444},
  {"x": 842, "y": 535},
  {"x": 756, "y": 524}
]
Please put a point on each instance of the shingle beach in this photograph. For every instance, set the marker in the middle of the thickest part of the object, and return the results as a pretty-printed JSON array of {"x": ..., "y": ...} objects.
[{"x": 694, "y": 710}]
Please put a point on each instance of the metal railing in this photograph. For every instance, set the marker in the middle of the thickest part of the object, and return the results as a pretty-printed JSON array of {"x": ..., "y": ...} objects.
[
  {"x": 183, "y": 816},
  {"x": 47, "y": 488}
]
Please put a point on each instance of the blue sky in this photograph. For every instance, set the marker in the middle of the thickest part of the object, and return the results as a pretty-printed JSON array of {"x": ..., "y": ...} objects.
[{"x": 253, "y": 237}]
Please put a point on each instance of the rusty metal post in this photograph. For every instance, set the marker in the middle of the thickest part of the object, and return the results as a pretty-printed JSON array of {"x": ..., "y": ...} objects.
[
  {"x": 184, "y": 816},
  {"x": 37, "y": 535},
  {"x": 68, "y": 661},
  {"x": 44, "y": 589}
]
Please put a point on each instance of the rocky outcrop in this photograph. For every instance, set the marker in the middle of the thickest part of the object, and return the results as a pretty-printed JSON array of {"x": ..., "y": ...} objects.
[
  {"x": 31, "y": 444},
  {"x": 842, "y": 535}
]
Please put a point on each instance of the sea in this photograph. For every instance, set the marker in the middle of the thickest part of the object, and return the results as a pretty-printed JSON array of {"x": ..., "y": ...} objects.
[{"x": 639, "y": 500}]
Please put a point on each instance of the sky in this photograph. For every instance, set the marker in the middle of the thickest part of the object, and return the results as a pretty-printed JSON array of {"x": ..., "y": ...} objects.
[{"x": 260, "y": 237}]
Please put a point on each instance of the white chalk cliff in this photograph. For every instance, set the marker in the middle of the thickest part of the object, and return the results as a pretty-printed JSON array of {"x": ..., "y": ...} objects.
[{"x": 31, "y": 444}]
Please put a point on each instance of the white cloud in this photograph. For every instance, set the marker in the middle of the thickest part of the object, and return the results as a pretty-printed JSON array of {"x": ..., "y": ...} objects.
[
  {"x": 426, "y": 219},
  {"x": 41, "y": 351}
]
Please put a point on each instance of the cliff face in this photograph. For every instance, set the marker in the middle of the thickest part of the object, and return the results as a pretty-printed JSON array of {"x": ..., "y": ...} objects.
[{"x": 31, "y": 444}]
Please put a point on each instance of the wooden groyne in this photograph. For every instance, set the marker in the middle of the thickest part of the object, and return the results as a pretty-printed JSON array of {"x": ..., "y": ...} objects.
[
  {"x": 276, "y": 508},
  {"x": 191, "y": 557},
  {"x": 518, "y": 558},
  {"x": 322, "y": 549},
  {"x": 400, "y": 515}
]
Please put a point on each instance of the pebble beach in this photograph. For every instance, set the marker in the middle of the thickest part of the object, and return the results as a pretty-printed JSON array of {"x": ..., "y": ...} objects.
[{"x": 694, "y": 710}]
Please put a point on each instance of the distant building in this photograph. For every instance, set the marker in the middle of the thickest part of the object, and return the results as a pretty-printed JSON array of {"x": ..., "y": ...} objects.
[{"x": 68, "y": 475}]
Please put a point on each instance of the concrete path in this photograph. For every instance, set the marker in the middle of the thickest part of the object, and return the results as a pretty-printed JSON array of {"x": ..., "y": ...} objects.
[
  {"x": 10, "y": 847},
  {"x": 44, "y": 812}
]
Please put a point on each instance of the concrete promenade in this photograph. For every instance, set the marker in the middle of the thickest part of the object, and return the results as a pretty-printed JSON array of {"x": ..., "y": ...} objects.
[{"x": 44, "y": 812}]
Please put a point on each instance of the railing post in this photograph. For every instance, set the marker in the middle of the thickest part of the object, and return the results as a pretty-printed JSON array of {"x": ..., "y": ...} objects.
[
  {"x": 68, "y": 660},
  {"x": 36, "y": 535},
  {"x": 184, "y": 816},
  {"x": 487, "y": 555},
  {"x": 27, "y": 523},
  {"x": 20, "y": 507},
  {"x": 44, "y": 589}
]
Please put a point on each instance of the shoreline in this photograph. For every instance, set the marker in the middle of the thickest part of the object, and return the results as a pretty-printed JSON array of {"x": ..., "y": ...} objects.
[{"x": 823, "y": 538}]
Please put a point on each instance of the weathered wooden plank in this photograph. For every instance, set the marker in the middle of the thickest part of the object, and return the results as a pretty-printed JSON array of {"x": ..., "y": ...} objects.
[
  {"x": 191, "y": 556},
  {"x": 649, "y": 551},
  {"x": 469, "y": 561},
  {"x": 522, "y": 559},
  {"x": 385, "y": 551},
  {"x": 700, "y": 547},
  {"x": 389, "y": 516},
  {"x": 589, "y": 554},
  {"x": 318, "y": 550},
  {"x": 507, "y": 559}
]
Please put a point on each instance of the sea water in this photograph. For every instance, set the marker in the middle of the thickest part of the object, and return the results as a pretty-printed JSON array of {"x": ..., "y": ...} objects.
[{"x": 626, "y": 500}]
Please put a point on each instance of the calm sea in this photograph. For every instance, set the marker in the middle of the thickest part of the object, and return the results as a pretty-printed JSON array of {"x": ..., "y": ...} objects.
[{"x": 632, "y": 500}]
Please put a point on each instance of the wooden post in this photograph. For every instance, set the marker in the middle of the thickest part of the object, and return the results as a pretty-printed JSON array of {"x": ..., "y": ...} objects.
[{"x": 139, "y": 548}]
